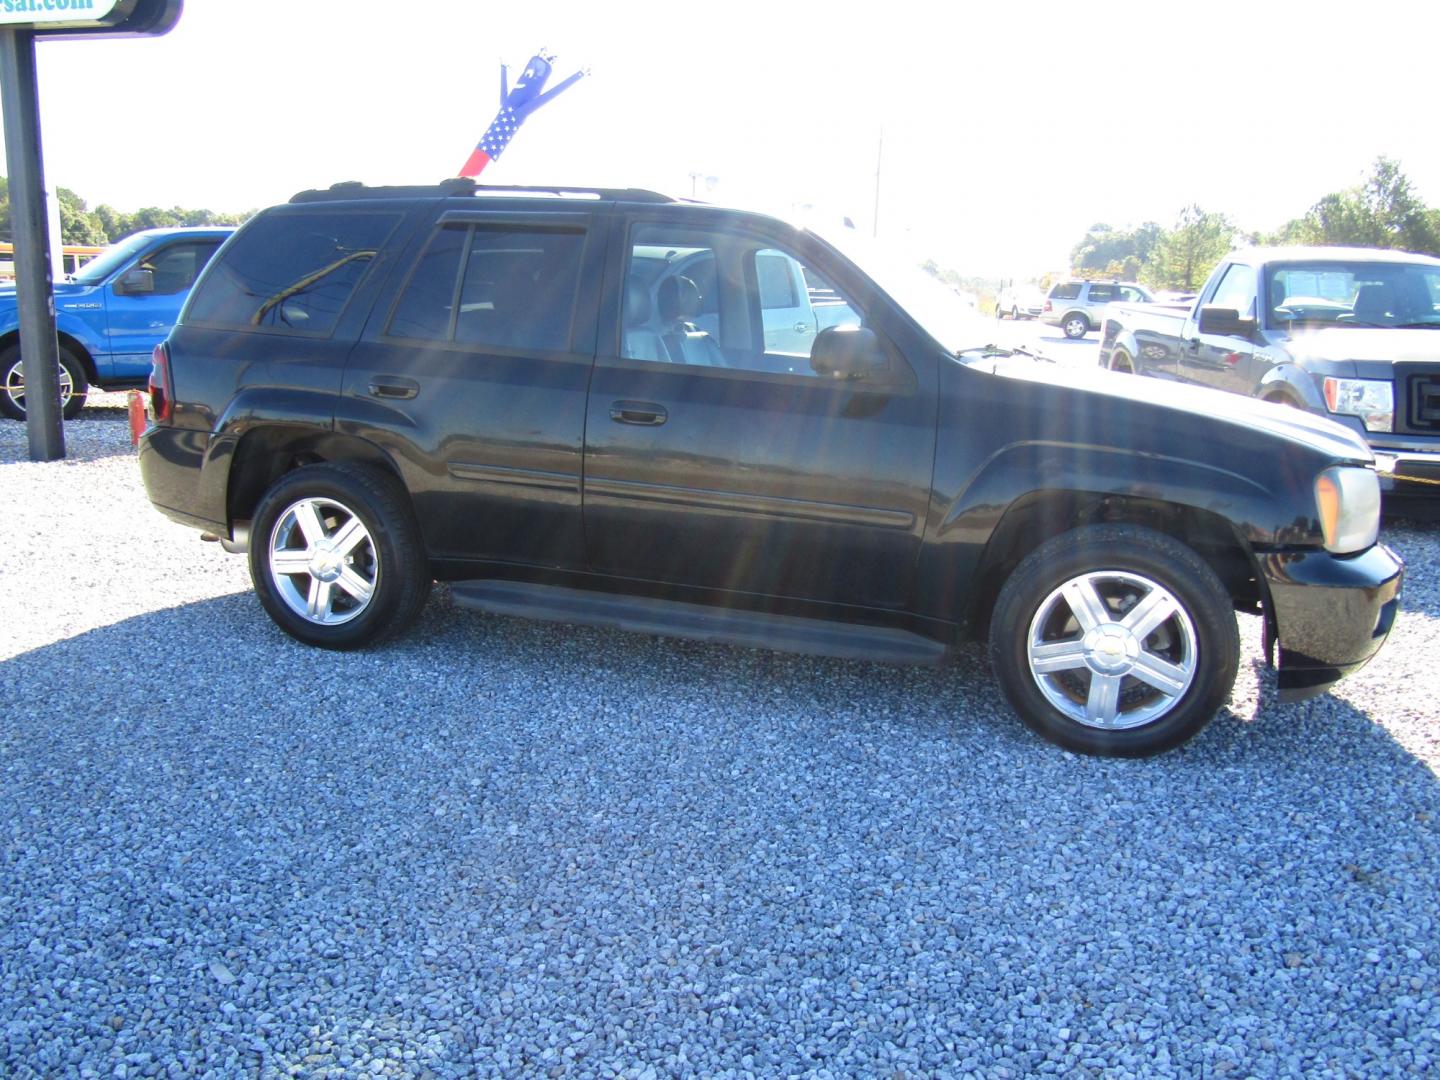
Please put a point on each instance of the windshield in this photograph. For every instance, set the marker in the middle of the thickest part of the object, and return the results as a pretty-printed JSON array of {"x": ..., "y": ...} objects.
[
  {"x": 110, "y": 260},
  {"x": 1358, "y": 293},
  {"x": 943, "y": 313}
]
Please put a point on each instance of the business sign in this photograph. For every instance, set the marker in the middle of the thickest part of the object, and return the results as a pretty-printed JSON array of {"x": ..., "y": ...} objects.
[{"x": 55, "y": 12}]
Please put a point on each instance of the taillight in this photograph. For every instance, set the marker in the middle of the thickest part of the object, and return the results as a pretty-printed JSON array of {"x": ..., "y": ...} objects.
[
  {"x": 162, "y": 389},
  {"x": 1047, "y": 306}
]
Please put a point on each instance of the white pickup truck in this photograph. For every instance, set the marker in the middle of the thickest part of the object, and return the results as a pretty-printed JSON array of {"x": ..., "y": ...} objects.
[{"x": 1348, "y": 333}]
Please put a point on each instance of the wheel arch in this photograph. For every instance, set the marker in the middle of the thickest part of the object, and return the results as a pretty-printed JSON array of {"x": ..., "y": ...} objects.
[
  {"x": 264, "y": 454},
  {"x": 1038, "y": 516},
  {"x": 69, "y": 342},
  {"x": 1291, "y": 386}
]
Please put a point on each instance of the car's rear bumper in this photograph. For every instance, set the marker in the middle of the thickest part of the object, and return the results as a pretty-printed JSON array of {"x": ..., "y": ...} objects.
[
  {"x": 1329, "y": 614},
  {"x": 171, "y": 467}
]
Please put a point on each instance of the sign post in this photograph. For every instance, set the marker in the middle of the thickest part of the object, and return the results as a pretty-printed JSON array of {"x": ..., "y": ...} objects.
[{"x": 22, "y": 23}]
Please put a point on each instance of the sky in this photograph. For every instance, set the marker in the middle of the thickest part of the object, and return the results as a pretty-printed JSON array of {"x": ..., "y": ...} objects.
[{"x": 1001, "y": 131}]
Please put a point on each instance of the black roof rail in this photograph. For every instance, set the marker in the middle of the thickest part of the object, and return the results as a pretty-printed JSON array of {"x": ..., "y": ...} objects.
[{"x": 462, "y": 186}]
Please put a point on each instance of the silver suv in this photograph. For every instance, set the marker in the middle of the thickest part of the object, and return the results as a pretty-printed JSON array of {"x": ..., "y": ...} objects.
[{"x": 1075, "y": 306}]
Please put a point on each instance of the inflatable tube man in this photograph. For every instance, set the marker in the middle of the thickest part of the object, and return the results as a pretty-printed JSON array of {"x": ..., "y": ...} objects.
[{"x": 515, "y": 105}]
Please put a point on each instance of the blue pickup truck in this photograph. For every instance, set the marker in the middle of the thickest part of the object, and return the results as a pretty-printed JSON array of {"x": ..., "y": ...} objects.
[{"x": 110, "y": 314}]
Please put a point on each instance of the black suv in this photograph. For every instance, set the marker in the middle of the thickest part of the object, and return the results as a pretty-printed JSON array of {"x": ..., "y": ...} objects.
[{"x": 583, "y": 405}]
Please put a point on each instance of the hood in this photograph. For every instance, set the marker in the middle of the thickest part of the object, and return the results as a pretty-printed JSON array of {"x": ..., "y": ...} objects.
[
  {"x": 1339, "y": 345},
  {"x": 1295, "y": 425}
]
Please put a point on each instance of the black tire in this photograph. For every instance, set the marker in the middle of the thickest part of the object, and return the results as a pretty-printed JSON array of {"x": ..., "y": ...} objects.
[
  {"x": 389, "y": 557},
  {"x": 1075, "y": 325},
  {"x": 1014, "y": 314},
  {"x": 74, "y": 384},
  {"x": 1126, "y": 569}
]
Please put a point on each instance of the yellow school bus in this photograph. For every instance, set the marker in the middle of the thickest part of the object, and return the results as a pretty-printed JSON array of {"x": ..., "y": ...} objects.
[{"x": 73, "y": 256}]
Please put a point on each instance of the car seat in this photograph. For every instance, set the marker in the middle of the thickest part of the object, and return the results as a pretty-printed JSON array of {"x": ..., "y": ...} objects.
[
  {"x": 1374, "y": 304},
  {"x": 642, "y": 340},
  {"x": 679, "y": 299}
]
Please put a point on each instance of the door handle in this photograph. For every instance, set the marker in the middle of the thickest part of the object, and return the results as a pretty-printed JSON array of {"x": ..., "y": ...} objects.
[
  {"x": 802, "y": 328},
  {"x": 393, "y": 386},
  {"x": 1194, "y": 344},
  {"x": 646, "y": 413}
]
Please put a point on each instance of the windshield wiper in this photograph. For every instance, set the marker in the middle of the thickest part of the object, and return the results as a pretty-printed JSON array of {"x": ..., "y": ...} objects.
[{"x": 1015, "y": 350}]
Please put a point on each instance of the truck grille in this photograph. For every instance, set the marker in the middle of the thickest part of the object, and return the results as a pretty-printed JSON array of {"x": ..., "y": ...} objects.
[{"x": 1423, "y": 411}]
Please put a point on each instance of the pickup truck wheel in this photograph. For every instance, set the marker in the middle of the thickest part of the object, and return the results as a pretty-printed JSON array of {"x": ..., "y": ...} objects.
[
  {"x": 336, "y": 556},
  {"x": 1114, "y": 640},
  {"x": 1075, "y": 326},
  {"x": 1120, "y": 361},
  {"x": 74, "y": 384}
]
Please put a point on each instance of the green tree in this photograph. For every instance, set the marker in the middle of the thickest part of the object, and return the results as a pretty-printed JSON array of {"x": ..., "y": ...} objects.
[
  {"x": 1187, "y": 253},
  {"x": 1382, "y": 212},
  {"x": 77, "y": 224},
  {"x": 1104, "y": 246}
]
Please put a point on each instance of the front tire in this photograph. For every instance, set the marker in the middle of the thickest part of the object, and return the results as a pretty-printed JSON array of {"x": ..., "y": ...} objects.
[
  {"x": 336, "y": 556},
  {"x": 1114, "y": 640},
  {"x": 74, "y": 384},
  {"x": 1075, "y": 326}
]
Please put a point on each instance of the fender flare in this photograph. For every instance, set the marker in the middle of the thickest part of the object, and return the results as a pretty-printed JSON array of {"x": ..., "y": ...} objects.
[{"x": 1293, "y": 380}]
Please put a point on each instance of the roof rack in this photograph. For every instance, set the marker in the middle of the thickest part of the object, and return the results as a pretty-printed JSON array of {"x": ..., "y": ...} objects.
[{"x": 461, "y": 186}]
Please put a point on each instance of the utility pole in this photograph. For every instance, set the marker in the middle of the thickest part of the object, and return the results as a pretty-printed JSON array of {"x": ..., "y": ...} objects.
[
  {"x": 33, "y": 287},
  {"x": 21, "y": 24}
]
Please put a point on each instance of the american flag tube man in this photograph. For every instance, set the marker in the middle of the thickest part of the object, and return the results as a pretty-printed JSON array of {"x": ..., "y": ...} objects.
[{"x": 515, "y": 105}]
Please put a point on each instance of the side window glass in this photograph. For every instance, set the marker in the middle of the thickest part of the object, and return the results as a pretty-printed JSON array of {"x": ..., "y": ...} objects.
[
  {"x": 814, "y": 305},
  {"x": 176, "y": 267},
  {"x": 775, "y": 274},
  {"x": 1236, "y": 290},
  {"x": 673, "y": 307},
  {"x": 1102, "y": 294},
  {"x": 519, "y": 288},
  {"x": 710, "y": 299},
  {"x": 291, "y": 271},
  {"x": 1066, "y": 290},
  {"x": 428, "y": 302}
]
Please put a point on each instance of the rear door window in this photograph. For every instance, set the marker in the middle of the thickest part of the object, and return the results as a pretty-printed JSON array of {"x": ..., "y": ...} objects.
[
  {"x": 291, "y": 273},
  {"x": 502, "y": 287}
]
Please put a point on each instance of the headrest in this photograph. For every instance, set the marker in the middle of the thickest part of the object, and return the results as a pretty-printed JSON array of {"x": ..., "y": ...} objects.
[
  {"x": 679, "y": 298},
  {"x": 637, "y": 302}
]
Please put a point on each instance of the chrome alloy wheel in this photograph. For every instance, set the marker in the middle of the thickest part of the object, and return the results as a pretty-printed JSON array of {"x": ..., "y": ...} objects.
[
  {"x": 323, "y": 561},
  {"x": 15, "y": 385},
  {"x": 1112, "y": 650}
]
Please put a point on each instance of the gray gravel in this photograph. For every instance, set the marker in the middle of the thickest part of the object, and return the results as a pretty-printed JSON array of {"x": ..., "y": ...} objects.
[{"x": 503, "y": 848}]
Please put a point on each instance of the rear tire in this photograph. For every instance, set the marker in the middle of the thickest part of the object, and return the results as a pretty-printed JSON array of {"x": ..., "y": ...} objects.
[
  {"x": 336, "y": 556},
  {"x": 1075, "y": 326},
  {"x": 1114, "y": 640},
  {"x": 74, "y": 384}
]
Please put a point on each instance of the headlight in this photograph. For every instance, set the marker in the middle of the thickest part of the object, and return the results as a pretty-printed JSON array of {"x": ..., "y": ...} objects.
[
  {"x": 1371, "y": 400},
  {"x": 1348, "y": 498}
]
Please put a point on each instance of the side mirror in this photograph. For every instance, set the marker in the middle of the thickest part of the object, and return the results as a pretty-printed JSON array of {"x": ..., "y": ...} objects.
[
  {"x": 136, "y": 282},
  {"x": 1226, "y": 322},
  {"x": 848, "y": 352}
]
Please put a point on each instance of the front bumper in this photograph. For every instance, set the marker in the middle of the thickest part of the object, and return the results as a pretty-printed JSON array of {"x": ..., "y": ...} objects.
[
  {"x": 1408, "y": 474},
  {"x": 1328, "y": 614}
]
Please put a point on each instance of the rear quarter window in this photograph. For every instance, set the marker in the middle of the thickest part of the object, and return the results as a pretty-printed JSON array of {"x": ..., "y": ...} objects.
[
  {"x": 291, "y": 273},
  {"x": 1066, "y": 290}
]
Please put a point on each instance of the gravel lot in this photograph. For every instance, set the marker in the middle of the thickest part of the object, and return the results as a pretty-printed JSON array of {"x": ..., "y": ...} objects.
[{"x": 508, "y": 848}]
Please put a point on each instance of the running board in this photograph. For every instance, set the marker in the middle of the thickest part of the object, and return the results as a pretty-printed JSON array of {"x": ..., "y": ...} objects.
[{"x": 674, "y": 618}]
